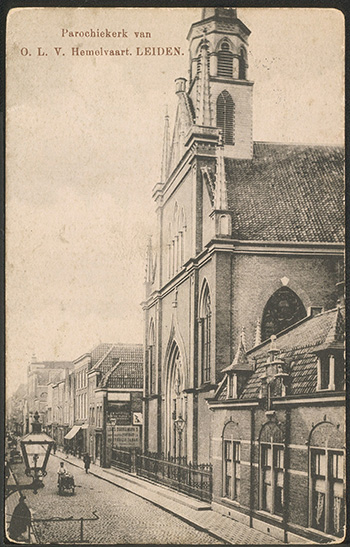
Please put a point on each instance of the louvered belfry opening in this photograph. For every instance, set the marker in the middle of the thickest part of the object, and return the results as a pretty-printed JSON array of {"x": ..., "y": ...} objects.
[
  {"x": 225, "y": 114},
  {"x": 225, "y": 61}
]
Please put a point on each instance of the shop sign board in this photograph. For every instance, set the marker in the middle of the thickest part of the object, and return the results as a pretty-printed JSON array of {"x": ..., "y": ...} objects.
[{"x": 127, "y": 436}]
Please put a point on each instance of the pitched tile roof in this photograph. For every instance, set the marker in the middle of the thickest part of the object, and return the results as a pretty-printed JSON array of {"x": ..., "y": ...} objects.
[
  {"x": 125, "y": 375},
  {"x": 121, "y": 366},
  {"x": 298, "y": 346},
  {"x": 288, "y": 193}
]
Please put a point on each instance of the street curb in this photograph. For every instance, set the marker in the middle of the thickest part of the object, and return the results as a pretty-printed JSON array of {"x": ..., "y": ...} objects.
[{"x": 180, "y": 517}]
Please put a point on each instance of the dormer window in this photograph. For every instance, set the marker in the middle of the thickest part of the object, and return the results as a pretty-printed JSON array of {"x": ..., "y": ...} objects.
[
  {"x": 232, "y": 386},
  {"x": 326, "y": 373}
]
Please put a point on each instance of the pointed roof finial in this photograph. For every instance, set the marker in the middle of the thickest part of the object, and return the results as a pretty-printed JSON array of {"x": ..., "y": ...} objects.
[
  {"x": 240, "y": 361},
  {"x": 203, "y": 108},
  {"x": 220, "y": 197},
  {"x": 258, "y": 333},
  {"x": 166, "y": 148}
]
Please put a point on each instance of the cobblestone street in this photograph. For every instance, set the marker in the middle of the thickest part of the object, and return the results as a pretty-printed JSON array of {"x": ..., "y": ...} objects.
[{"x": 123, "y": 516}]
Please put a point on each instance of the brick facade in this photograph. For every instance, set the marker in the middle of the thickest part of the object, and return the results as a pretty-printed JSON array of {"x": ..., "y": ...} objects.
[{"x": 231, "y": 234}]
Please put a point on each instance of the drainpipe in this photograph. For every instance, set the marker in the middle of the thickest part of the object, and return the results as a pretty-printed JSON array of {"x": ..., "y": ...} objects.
[
  {"x": 286, "y": 478},
  {"x": 104, "y": 430},
  {"x": 251, "y": 491}
]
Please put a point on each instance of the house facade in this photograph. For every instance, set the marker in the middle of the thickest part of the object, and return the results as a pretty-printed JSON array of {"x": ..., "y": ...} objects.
[
  {"x": 101, "y": 394},
  {"x": 278, "y": 432},
  {"x": 39, "y": 376}
]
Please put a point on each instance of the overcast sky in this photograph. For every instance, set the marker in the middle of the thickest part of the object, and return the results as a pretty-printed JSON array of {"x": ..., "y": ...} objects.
[{"x": 84, "y": 138}]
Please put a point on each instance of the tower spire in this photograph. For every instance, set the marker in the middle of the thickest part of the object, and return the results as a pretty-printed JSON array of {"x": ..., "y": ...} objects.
[
  {"x": 166, "y": 148},
  {"x": 203, "y": 91},
  {"x": 220, "y": 198}
]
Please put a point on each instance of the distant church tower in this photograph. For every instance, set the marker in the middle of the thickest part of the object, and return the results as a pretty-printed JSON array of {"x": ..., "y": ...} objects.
[{"x": 220, "y": 92}]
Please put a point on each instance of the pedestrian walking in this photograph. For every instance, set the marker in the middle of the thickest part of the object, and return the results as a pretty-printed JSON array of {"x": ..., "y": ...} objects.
[
  {"x": 87, "y": 461},
  {"x": 54, "y": 447},
  {"x": 20, "y": 520}
]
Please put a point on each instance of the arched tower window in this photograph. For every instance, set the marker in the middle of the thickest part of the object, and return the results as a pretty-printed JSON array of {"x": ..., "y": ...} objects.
[
  {"x": 225, "y": 61},
  {"x": 225, "y": 114},
  {"x": 242, "y": 65},
  {"x": 283, "y": 309},
  {"x": 205, "y": 334}
]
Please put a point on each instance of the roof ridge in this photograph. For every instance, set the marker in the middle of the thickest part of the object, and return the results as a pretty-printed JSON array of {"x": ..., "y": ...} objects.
[
  {"x": 100, "y": 361},
  {"x": 293, "y": 326},
  {"x": 112, "y": 369},
  {"x": 320, "y": 145}
]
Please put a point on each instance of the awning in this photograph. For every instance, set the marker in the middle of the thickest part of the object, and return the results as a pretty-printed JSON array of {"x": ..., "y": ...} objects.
[
  {"x": 72, "y": 433},
  {"x": 84, "y": 426}
]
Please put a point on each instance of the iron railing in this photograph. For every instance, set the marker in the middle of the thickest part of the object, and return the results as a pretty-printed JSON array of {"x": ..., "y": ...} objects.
[
  {"x": 195, "y": 480},
  {"x": 122, "y": 459}
]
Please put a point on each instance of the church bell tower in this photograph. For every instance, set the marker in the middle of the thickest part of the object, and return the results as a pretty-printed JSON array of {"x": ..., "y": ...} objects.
[{"x": 219, "y": 89}]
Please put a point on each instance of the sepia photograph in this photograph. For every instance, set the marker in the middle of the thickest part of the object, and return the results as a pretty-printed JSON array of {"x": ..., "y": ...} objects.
[{"x": 175, "y": 309}]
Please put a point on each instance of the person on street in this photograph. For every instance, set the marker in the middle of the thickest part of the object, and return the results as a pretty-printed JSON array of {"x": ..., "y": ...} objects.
[
  {"x": 54, "y": 447},
  {"x": 61, "y": 471},
  {"x": 20, "y": 520},
  {"x": 87, "y": 461}
]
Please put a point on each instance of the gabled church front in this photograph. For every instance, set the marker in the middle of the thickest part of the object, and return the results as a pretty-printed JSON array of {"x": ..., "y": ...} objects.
[{"x": 250, "y": 239}]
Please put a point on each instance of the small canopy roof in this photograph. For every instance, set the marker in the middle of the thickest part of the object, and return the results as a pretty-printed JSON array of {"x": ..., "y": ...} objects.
[{"x": 72, "y": 433}]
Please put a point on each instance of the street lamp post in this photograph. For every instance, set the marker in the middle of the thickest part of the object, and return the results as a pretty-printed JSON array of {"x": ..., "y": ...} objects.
[
  {"x": 180, "y": 424},
  {"x": 36, "y": 447}
]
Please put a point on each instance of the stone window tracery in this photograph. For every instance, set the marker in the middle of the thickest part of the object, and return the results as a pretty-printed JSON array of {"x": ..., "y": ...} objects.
[{"x": 283, "y": 309}]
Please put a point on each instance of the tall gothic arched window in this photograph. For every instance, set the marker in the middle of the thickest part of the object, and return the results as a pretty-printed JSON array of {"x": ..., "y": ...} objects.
[
  {"x": 225, "y": 116},
  {"x": 176, "y": 404},
  {"x": 205, "y": 334},
  {"x": 225, "y": 61},
  {"x": 282, "y": 310}
]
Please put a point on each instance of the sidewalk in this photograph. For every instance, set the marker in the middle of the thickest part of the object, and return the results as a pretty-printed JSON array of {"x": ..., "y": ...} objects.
[{"x": 194, "y": 512}]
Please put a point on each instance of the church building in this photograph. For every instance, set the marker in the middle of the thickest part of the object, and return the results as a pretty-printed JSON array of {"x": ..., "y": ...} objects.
[{"x": 249, "y": 246}]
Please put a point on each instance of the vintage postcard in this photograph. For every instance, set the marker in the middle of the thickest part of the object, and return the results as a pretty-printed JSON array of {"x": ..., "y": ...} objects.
[{"x": 175, "y": 276}]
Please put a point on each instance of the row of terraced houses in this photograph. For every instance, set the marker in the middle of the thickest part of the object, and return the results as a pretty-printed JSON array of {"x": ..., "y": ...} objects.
[{"x": 82, "y": 403}]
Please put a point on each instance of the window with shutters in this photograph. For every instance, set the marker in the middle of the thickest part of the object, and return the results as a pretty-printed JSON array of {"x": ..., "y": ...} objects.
[
  {"x": 225, "y": 114},
  {"x": 225, "y": 61}
]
